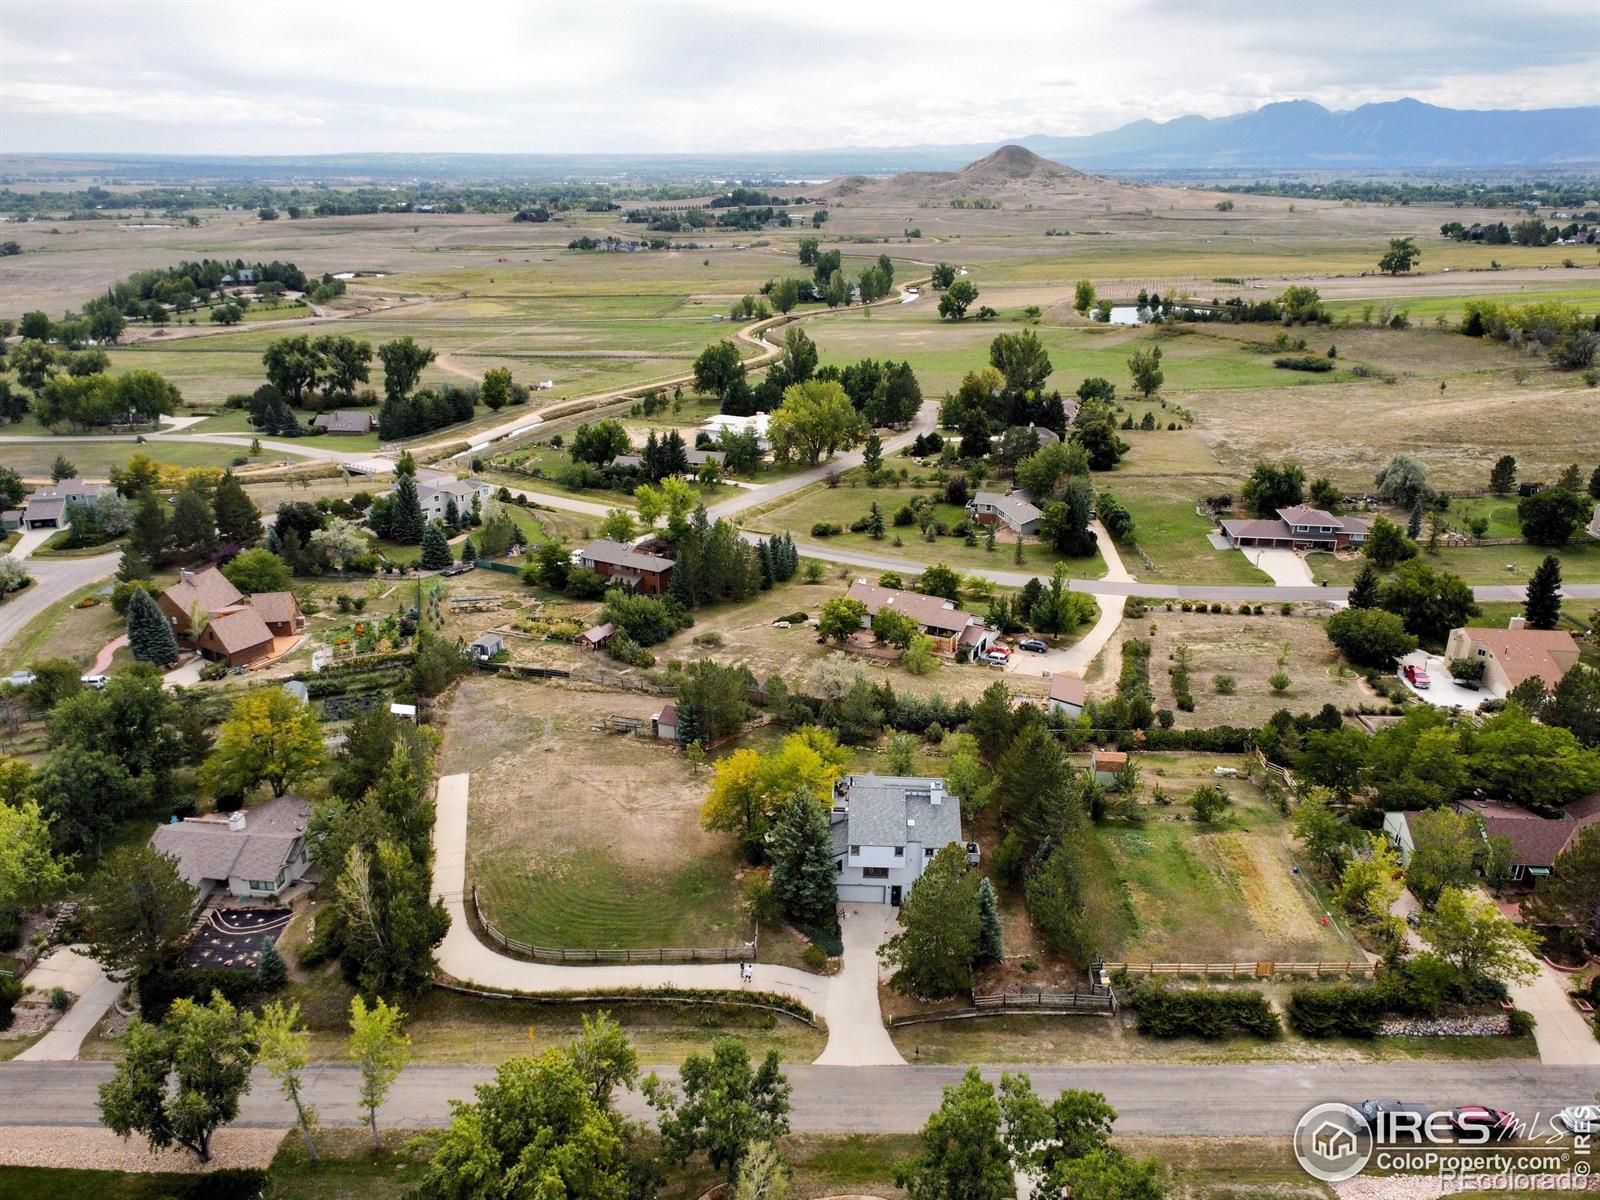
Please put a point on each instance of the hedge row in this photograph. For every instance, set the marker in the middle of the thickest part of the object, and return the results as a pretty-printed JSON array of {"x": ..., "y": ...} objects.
[
  {"x": 1210, "y": 1013},
  {"x": 1342, "y": 1010},
  {"x": 158, "y": 990}
]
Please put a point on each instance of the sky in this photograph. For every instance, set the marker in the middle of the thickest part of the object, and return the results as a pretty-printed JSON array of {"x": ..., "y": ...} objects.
[{"x": 343, "y": 76}]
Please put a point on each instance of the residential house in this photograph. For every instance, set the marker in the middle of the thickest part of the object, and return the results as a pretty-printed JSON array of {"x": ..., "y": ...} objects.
[
  {"x": 435, "y": 496},
  {"x": 695, "y": 458},
  {"x": 1298, "y": 528},
  {"x": 620, "y": 562},
  {"x": 49, "y": 513},
  {"x": 487, "y": 645},
  {"x": 1104, "y": 765},
  {"x": 346, "y": 421},
  {"x": 948, "y": 626},
  {"x": 1515, "y": 654},
  {"x": 76, "y": 490},
  {"x": 1068, "y": 695},
  {"x": 1536, "y": 841},
  {"x": 251, "y": 853},
  {"x": 714, "y": 426},
  {"x": 665, "y": 722},
  {"x": 1014, "y": 509},
  {"x": 212, "y": 616},
  {"x": 1594, "y": 523},
  {"x": 886, "y": 828}
]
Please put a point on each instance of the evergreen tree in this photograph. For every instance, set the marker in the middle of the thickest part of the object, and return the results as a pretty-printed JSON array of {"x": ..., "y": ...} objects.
[
  {"x": 1503, "y": 477},
  {"x": 238, "y": 519},
  {"x": 469, "y": 552},
  {"x": 875, "y": 521},
  {"x": 271, "y": 972},
  {"x": 872, "y": 455},
  {"x": 674, "y": 455},
  {"x": 194, "y": 529},
  {"x": 150, "y": 636},
  {"x": 1364, "y": 591},
  {"x": 435, "y": 548},
  {"x": 408, "y": 522},
  {"x": 991, "y": 939},
  {"x": 681, "y": 586},
  {"x": 689, "y": 731},
  {"x": 149, "y": 536},
  {"x": 1543, "y": 605},
  {"x": 803, "y": 875},
  {"x": 452, "y": 513},
  {"x": 932, "y": 954},
  {"x": 764, "y": 553},
  {"x": 1414, "y": 523},
  {"x": 133, "y": 565}
]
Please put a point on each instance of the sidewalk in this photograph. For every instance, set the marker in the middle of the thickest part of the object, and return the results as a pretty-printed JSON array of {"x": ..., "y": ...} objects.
[
  {"x": 81, "y": 975},
  {"x": 855, "y": 1029}
]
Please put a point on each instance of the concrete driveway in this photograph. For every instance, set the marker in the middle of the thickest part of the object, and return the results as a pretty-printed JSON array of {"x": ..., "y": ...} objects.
[
  {"x": 30, "y": 541},
  {"x": 1442, "y": 691},
  {"x": 1286, "y": 567},
  {"x": 68, "y": 967},
  {"x": 856, "y": 1034}
]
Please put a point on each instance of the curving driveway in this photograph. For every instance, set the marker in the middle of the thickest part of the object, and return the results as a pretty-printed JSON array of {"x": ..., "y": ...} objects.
[{"x": 848, "y": 1001}]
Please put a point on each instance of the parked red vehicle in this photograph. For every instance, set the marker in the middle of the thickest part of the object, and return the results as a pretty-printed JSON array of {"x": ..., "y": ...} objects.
[{"x": 1416, "y": 675}]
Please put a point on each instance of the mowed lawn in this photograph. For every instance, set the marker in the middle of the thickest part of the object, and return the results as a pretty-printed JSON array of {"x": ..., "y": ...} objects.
[
  {"x": 586, "y": 839},
  {"x": 94, "y": 457},
  {"x": 1219, "y": 893}
]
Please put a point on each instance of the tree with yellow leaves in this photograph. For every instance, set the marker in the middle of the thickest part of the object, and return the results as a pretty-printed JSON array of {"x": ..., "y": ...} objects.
[
  {"x": 269, "y": 737},
  {"x": 748, "y": 787}
]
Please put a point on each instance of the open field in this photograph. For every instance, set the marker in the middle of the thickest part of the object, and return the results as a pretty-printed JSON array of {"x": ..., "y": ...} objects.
[
  {"x": 94, "y": 457},
  {"x": 586, "y": 839},
  {"x": 1250, "y": 649}
]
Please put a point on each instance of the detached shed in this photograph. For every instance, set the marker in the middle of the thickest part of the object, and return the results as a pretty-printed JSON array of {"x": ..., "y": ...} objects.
[
  {"x": 665, "y": 723},
  {"x": 406, "y": 712},
  {"x": 594, "y": 639},
  {"x": 1105, "y": 764},
  {"x": 487, "y": 646}
]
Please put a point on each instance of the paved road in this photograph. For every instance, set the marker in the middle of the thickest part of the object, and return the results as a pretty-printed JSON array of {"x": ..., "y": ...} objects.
[
  {"x": 53, "y": 580},
  {"x": 1217, "y": 1101}
]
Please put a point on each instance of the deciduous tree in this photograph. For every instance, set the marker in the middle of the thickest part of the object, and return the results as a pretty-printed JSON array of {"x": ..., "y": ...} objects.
[
  {"x": 380, "y": 1048},
  {"x": 725, "y": 1106},
  {"x": 268, "y": 737},
  {"x": 136, "y": 911}
]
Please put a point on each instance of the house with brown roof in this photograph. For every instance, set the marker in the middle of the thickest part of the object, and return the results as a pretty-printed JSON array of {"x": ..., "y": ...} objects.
[
  {"x": 1068, "y": 695},
  {"x": 351, "y": 421},
  {"x": 1536, "y": 841},
  {"x": 254, "y": 853},
  {"x": 214, "y": 617},
  {"x": 1515, "y": 654},
  {"x": 1298, "y": 528},
  {"x": 948, "y": 625},
  {"x": 621, "y": 563}
]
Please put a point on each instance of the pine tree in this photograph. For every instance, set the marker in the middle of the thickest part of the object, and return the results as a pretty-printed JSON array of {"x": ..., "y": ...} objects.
[
  {"x": 435, "y": 548},
  {"x": 408, "y": 522},
  {"x": 991, "y": 935},
  {"x": 875, "y": 521},
  {"x": 681, "y": 586},
  {"x": 469, "y": 552},
  {"x": 133, "y": 565},
  {"x": 689, "y": 726},
  {"x": 872, "y": 455},
  {"x": 764, "y": 555},
  {"x": 1364, "y": 591},
  {"x": 1414, "y": 524},
  {"x": 452, "y": 513},
  {"x": 1543, "y": 605},
  {"x": 271, "y": 972},
  {"x": 149, "y": 536},
  {"x": 803, "y": 873},
  {"x": 194, "y": 529},
  {"x": 238, "y": 518},
  {"x": 988, "y": 541},
  {"x": 150, "y": 636},
  {"x": 1503, "y": 477}
]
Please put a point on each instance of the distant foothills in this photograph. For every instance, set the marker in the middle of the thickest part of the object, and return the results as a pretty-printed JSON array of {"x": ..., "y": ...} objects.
[{"x": 1291, "y": 136}]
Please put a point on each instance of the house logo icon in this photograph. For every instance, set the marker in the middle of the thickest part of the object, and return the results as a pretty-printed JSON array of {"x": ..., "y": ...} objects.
[{"x": 1332, "y": 1143}]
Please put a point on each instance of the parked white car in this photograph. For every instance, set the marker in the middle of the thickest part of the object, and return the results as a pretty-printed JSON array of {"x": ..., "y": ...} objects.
[
  {"x": 1580, "y": 1118},
  {"x": 22, "y": 678},
  {"x": 93, "y": 681}
]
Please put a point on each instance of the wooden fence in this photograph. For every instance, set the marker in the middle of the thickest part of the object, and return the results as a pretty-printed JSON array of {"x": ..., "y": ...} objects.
[
  {"x": 1096, "y": 999},
  {"x": 1245, "y": 970},
  {"x": 667, "y": 954}
]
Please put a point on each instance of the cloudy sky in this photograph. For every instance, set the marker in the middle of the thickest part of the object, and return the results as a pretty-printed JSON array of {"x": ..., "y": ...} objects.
[{"x": 289, "y": 77}]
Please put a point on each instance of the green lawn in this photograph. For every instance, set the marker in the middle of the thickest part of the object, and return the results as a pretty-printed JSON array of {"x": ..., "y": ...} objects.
[
  {"x": 94, "y": 458},
  {"x": 1580, "y": 563}
]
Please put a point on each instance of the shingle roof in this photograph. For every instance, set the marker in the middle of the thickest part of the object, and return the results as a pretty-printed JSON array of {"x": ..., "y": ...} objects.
[
  {"x": 1068, "y": 689},
  {"x": 935, "y": 612},
  {"x": 68, "y": 488},
  {"x": 620, "y": 554},
  {"x": 891, "y": 810},
  {"x": 1525, "y": 653},
  {"x": 238, "y": 630},
  {"x": 1108, "y": 760},
  {"x": 1016, "y": 508},
  {"x": 206, "y": 849},
  {"x": 209, "y": 588},
  {"x": 461, "y": 489},
  {"x": 278, "y": 608},
  {"x": 598, "y": 634},
  {"x": 51, "y": 508}
]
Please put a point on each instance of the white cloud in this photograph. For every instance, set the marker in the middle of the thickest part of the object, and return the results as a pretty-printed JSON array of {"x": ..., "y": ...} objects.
[{"x": 294, "y": 77}]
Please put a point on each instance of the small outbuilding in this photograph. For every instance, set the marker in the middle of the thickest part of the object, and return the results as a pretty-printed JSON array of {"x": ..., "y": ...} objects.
[
  {"x": 406, "y": 712},
  {"x": 1104, "y": 765},
  {"x": 487, "y": 645},
  {"x": 665, "y": 722},
  {"x": 597, "y": 637},
  {"x": 1068, "y": 695}
]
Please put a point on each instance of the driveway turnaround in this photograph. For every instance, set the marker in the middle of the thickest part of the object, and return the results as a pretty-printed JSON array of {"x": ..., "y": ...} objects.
[
  {"x": 855, "y": 1028},
  {"x": 859, "y": 1038}
]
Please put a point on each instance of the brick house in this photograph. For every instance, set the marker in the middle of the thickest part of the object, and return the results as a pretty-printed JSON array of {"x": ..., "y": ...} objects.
[
  {"x": 948, "y": 626},
  {"x": 621, "y": 563},
  {"x": 1298, "y": 528}
]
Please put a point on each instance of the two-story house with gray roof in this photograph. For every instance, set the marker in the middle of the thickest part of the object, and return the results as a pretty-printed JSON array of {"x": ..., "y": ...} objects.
[{"x": 886, "y": 829}]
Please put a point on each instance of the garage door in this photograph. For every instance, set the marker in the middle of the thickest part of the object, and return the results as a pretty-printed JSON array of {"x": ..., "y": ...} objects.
[{"x": 863, "y": 893}]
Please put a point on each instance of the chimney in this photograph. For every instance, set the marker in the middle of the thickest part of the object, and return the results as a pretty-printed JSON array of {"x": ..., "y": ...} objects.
[
  {"x": 1517, "y": 623},
  {"x": 936, "y": 792},
  {"x": 185, "y": 574},
  {"x": 236, "y": 821}
]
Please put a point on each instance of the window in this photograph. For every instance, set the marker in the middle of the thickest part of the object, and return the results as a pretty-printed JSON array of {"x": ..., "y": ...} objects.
[
  {"x": 855, "y": 849},
  {"x": 874, "y": 872},
  {"x": 261, "y": 885},
  {"x": 899, "y": 851},
  {"x": 928, "y": 852}
]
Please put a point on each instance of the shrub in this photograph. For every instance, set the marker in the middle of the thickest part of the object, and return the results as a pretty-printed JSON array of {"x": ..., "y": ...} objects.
[
  {"x": 1520, "y": 1023},
  {"x": 1303, "y": 362},
  {"x": 1209, "y": 1013},
  {"x": 1225, "y": 685},
  {"x": 1339, "y": 1010},
  {"x": 10, "y": 927},
  {"x": 815, "y": 957},
  {"x": 60, "y": 999},
  {"x": 157, "y": 991},
  {"x": 10, "y": 993},
  {"x": 796, "y": 618},
  {"x": 824, "y": 529}
]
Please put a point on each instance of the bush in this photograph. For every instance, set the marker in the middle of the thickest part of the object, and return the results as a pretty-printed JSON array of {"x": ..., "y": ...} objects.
[
  {"x": 830, "y": 941},
  {"x": 10, "y": 927},
  {"x": 815, "y": 957},
  {"x": 1209, "y": 1013},
  {"x": 1225, "y": 685},
  {"x": 1339, "y": 1010},
  {"x": 60, "y": 999},
  {"x": 10, "y": 993},
  {"x": 1520, "y": 1024},
  {"x": 1303, "y": 362},
  {"x": 157, "y": 991},
  {"x": 796, "y": 618},
  {"x": 824, "y": 529}
]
